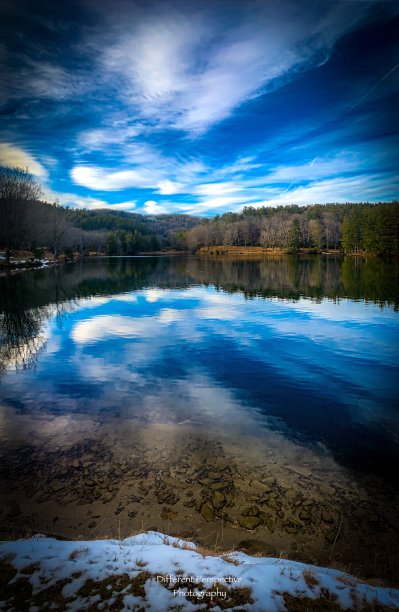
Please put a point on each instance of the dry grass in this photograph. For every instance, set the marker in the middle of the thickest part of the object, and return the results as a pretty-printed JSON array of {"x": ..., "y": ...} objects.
[
  {"x": 75, "y": 553},
  {"x": 204, "y": 551},
  {"x": 238, "y": 596},
  {"x": 310, "y": 578},
  {"x": 347, "y": 580},
  {"x": 105, "y": 588},
  {"x": 30, "y": 569},
  {"x": 306, "y": 604},
  {"x": 53, "y": 596}
]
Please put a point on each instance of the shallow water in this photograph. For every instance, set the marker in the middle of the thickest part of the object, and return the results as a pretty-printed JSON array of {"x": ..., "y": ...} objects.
[{"x": 234, "y": 400}]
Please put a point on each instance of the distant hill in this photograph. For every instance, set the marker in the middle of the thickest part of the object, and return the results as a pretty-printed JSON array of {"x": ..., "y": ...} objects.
[{"x": 106, "y": 219}]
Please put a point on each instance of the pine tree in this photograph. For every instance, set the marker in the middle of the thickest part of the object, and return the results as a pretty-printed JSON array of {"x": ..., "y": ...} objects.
[
  {"x": 112, "y": 244},
  {"x": 294, "y": 237},
  {"x": 352, "y": 231},
  {"x": 316, "y": 234}
]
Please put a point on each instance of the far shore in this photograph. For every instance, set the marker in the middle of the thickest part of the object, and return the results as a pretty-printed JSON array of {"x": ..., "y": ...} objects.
[
  {"x": 23, "y": 260},
  {"x": 257, "y": 250}
]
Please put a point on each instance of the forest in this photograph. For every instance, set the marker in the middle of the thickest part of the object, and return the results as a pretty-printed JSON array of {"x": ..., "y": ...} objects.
[
  {"x": 349, "y": 228},
  {"x": 27, "y": 223}
]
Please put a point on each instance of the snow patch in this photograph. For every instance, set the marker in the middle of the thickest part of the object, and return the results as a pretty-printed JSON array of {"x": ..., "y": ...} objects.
[{"x": 159, "y": 572}]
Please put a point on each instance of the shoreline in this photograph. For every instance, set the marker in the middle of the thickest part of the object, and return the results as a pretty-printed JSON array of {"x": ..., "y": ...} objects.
[
  {"x": 161, "y": 572},
  {"x": 29, "y": 263},
  {"x": 297, "y": 508},
  {"x": 252, "y": 251},
  {"x": 217, "y": 251}
]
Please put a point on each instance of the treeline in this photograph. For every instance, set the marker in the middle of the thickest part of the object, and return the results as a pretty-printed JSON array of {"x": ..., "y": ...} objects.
[
  {"x": 26, "y": 223},
  {"x": 351, "y": 228}
]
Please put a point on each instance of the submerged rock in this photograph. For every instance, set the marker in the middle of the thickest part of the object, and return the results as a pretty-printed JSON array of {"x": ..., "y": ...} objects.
[
  {"x": 252, "y": 511},
  {"x": 327, "y": 517},
  {"x": 249, "y": 522},
  {"x": 218, "y": 500},
  {"x": 217, "y": 486},
  {"x": 267, "y": 520},
  {"x": 207, "y": 513},
  {"x": 259, "y": 486},
  {"x": 298, "y": 469}
]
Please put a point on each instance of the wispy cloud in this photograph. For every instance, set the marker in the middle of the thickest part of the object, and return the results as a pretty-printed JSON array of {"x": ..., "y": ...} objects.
[
  {"x": 167, "y": 106},
  {"x": 74, "y": 200},
  {"x": 107, "y": 180},
  {"x": 12, "y": 156},
  {"x": 115, "y": 134},
  {"x": 342, "y": 177},
  {"x": 351, "y": 189},
  {"x": 188, "y": 69}
]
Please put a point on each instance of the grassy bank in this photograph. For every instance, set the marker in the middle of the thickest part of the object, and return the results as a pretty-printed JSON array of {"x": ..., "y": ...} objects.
[{"x": 257, "y": 250}]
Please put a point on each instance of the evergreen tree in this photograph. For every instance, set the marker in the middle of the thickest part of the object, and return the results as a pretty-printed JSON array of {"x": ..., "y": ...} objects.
[
  {"x": 112, "y": 244},
  {"x": 294, "y": 236},
  {"x": 352, "y": 230},
  {"x": 316, "y": 234},
  {"x": 381, "y": 229}
]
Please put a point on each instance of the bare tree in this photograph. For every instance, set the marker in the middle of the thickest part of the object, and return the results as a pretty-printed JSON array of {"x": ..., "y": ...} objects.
[
  {"x": 17, "y": 189},
  {"x": 231, "y": 235},
  {"x": 331, "y": 226},
  {"x": 57, "y": 228},
  {"x": 275, "y": 231}
]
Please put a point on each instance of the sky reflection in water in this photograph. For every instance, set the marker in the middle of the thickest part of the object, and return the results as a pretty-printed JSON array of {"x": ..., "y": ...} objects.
[{"x": 320, "y": 372}]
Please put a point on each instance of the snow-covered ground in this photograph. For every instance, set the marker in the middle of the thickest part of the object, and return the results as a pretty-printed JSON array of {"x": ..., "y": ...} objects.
[{"x": 152, "y": 571}]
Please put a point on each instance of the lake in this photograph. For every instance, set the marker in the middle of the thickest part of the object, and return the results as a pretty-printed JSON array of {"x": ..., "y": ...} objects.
[{"x": 246, "y": 403}]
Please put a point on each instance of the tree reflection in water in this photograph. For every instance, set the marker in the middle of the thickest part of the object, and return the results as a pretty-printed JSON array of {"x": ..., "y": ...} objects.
[{"x": 28, "y": 300}]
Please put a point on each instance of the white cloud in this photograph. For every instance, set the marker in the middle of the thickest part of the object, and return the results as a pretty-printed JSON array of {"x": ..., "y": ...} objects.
[
  {"x": 167, "y": 187},
  {"x": 94, "y": 203},
  {"x": 350, "y": 189},
  {"x": 315, "y": 169},
  {"x": 189, "y": 69},
  {"x": 153, "y": 208},
  {"x": 154, "y": 295},
  {"x": 171, "y": 315},
  {"x": 11, "y": 156},
  {"x": 125, "y": 297},
  {"x": 108, "y": 180},
  {"x": 217, "y": 189},
  {"x": 97, "y": 139},
  {"x": 344, "y": 176},
  {"x": 74, "y": 200},
  {"x": 104, "y": 327}
]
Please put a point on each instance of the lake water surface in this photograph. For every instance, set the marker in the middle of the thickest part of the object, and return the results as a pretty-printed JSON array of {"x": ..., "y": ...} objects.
[{"x": 244, "y": 403}]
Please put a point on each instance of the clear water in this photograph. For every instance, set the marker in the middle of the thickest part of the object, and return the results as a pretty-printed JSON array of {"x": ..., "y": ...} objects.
[{"x": 159, "y": 392}]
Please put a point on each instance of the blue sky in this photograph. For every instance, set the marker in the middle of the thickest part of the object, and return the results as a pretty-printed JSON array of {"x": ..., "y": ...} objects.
[{"x": 200, "y": 107}]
